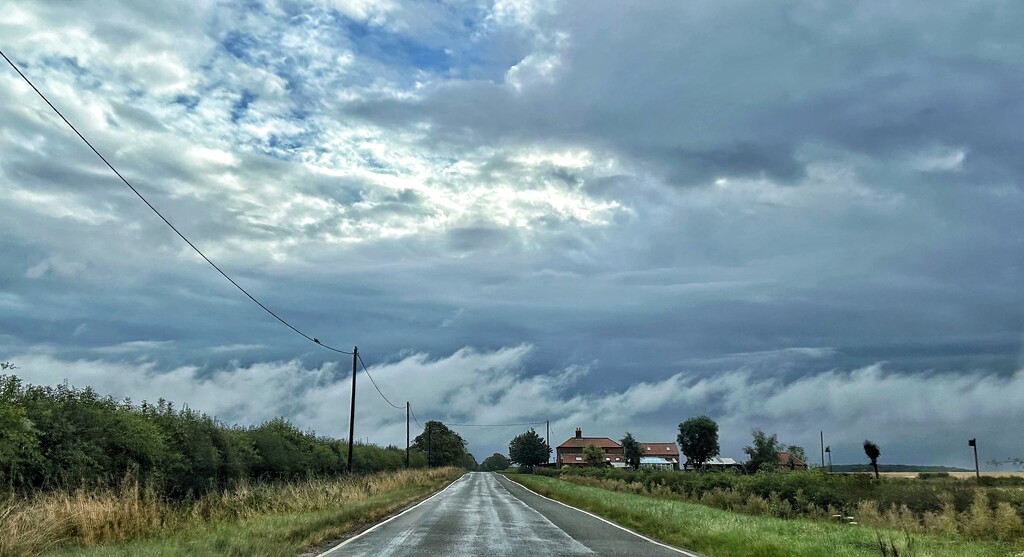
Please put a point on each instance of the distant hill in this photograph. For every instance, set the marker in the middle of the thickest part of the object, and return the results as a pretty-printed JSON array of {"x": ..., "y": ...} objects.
[{"x": 895, "y": 468}]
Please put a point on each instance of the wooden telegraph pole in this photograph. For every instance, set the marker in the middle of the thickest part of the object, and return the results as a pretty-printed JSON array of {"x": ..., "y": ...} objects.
[
  {"x": 352, "y": 411},
  {"x": 407, "y": 434},
  {"x": 547, "y": 437},
  {"x": 822, "y": 434}
]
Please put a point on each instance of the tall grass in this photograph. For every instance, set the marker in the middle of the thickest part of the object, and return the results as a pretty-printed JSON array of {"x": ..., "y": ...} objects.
[
  {"x": 947, "y": 507},
  {"x": 30, "y": 525},
  {"x": 719, "y": 533}
]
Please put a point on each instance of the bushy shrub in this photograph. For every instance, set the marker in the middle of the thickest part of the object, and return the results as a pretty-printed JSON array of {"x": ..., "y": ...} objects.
[
  {"x": 64, "y": 437},
  {"x": 549, "y": 472}
]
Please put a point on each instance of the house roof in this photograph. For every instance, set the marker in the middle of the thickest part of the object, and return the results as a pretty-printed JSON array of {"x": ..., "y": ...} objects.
[
  {"x": 722, "y": 461},
  {"x": 579, "y": 442},
  {"x": 660, "y": 449},
  {"x": 785, "y": 457},
  {"x": 577, "y": 458}
]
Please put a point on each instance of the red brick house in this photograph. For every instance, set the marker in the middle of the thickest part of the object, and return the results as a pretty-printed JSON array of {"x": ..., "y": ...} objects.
[
  {"x": 660, "y": 454},
  {"x": 570, "y": 452}
]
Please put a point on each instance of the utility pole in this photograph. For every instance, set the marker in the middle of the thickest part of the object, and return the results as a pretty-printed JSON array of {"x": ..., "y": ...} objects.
[
  {"x": 352, "y": 411},
  {"x": 430, "y": 445},
  {"x": 407, "y": 434},
  {"x": 547, "y": 437},
  {"x": 822, "y": 434},
  {"x": 977, "y": 471}
]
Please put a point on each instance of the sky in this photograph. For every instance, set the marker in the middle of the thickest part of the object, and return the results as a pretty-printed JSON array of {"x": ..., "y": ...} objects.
[{"x": 797, "y": 216}]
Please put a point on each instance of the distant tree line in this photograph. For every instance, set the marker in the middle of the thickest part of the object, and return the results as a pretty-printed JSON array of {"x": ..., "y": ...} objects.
[
  {"x": 65, "y": 437},
  {"x": 495, "y": 462}
]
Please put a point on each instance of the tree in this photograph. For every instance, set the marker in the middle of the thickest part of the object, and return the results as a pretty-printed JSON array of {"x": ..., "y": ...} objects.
[
  {"x": 442, "y": 446},
  {"x": 469, "y": 462},
  {"x": 798, "y": 453},
  {"x": 593, "y": 455},
  {"x": 763, "y": 453},
  {"x": 495, "y": 462},
  {"x": 528, "y": 449},
  {"x": 631, "y": 451},
  {"x": 873, "y": 452},
  {"x": 698, "y": 439},
  {"x": 19, "y": 438}
]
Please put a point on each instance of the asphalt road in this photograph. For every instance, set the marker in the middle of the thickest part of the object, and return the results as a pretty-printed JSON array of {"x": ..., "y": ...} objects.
[{"x": 487, "y": 514}]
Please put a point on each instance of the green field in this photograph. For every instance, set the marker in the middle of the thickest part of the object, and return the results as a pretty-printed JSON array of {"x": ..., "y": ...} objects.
[{"x": 720, "y": 533}]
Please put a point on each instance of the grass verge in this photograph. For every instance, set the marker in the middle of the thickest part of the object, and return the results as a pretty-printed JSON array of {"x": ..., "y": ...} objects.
[
  {"x": 719, "y": 533},
  {"x": 253, "y": 519}
]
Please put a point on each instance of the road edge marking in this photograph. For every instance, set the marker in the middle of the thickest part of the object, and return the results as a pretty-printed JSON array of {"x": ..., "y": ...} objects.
[
  {"x": 382, "y": 523},
  {"x": 606, "y": 521}
]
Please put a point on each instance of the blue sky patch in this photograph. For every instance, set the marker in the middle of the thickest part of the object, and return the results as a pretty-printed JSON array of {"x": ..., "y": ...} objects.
[
  {"x": 241, "y": 106},
  {"x": 188, "y": 101},
  {"x": 394, "y": 49}
]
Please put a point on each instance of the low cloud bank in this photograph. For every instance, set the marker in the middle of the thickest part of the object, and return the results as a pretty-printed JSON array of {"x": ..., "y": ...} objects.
[{"x": 917, "y": 418}]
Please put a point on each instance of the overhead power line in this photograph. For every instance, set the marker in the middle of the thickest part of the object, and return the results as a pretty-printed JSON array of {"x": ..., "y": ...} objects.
[
  {"x": 360, "y": 356},
  {"x": 241, "y": 289},
  {"x": 163, "y": 218},
  {"x": 478, "y": 425},
  {"x": 495, "y": 425}
]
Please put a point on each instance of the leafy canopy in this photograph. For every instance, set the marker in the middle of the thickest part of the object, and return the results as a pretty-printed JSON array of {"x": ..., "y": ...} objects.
[
  {"x": 443, "y": 446},
  {"x": 632, "y": 452},
  {"x": 763, "y": 453},
  {"x": 528, "y": 449},
  {"x": 593, "y": 455},
  {"x": 698, "y": 439},
  {"x": 65, "y": 437},
  {"x": 873, "y": 452}
]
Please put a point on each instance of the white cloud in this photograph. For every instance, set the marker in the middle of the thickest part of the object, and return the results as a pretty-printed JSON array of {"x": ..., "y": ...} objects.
[
  {"x": 135, "y": 347},
  {"x": 933, "y": 160},
  {"x": 374, "y": 11},
  {"x": 56, "y": 265}
]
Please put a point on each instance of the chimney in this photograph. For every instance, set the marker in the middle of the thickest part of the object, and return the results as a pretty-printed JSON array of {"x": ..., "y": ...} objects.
[{"x": 579, "y": 433}]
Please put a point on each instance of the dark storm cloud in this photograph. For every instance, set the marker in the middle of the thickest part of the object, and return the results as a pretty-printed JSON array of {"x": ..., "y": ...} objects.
[
  {"x": 697, "y": 207},
  {"x": 708, "y": 89},
  {"x": 702, "y": 166}
]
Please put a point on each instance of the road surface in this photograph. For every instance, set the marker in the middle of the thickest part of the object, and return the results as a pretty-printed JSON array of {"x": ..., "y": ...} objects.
[{"x": 489, "y": 515}]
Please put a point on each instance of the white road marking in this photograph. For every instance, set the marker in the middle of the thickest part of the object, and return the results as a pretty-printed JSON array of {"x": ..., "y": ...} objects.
[
  {"x": 379, "y": 524},
  {"x": 606, "y": 521}
]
